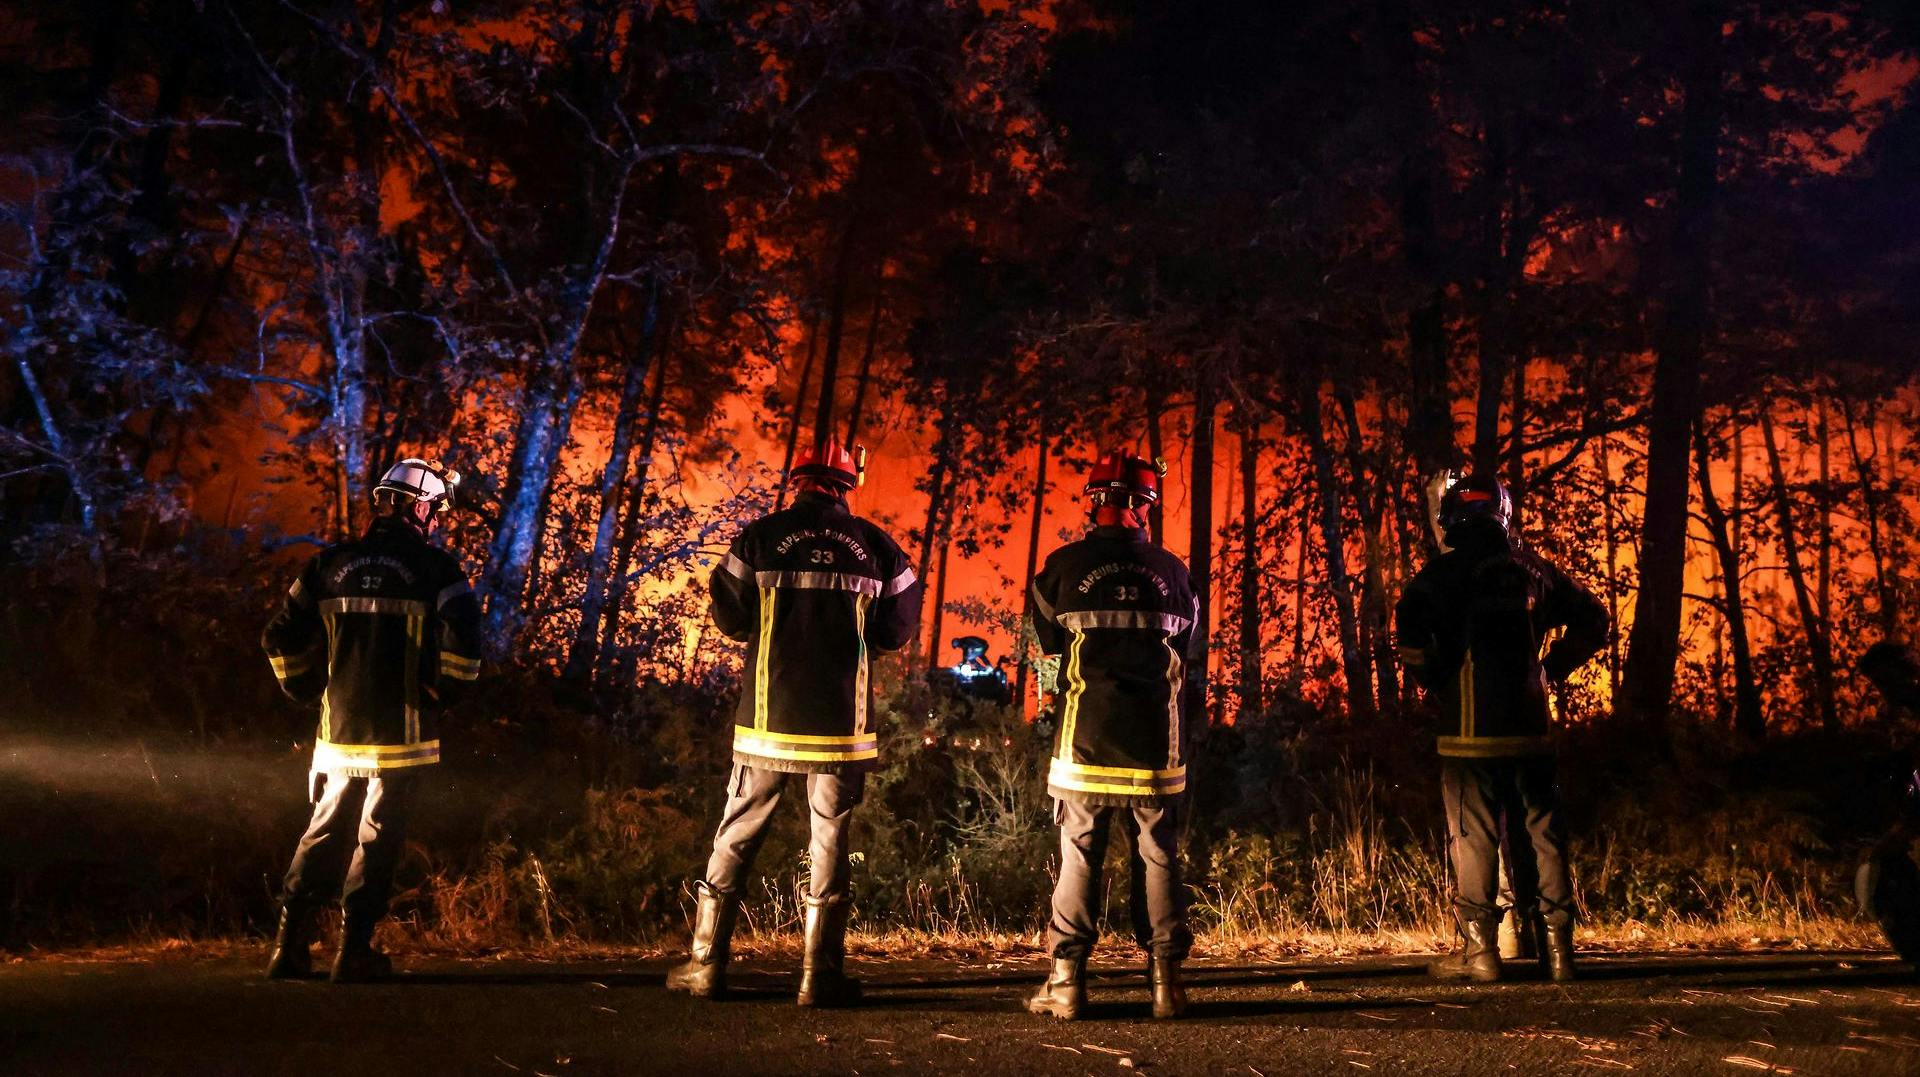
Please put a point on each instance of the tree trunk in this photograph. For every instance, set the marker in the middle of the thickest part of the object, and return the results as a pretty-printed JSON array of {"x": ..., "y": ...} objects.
[
  {"x": 940, "y": 585},
  {"x": 1510, "y": 233},
  {"x": 1609, "y": 496},
  {"x": 937, "y": 493},
  {"x": 1156, "y": 513},
  {"x": 1824, "y": 499},
  {"x": 1654, "y": 649},
  {"x": 1024, "y": 654},
  {"x": 580, "y": 656},
  {"x": 1334, "y": 550},
  {"x": 1376, "y": 631},
  {"x": 836, "y": 326},
  {"x": 1200, "y": 538},
  {"x": 1748, "y": 719},
  {"x": 1429, "y": 406},
  {"x": 1300, "y": 586},
  {"x": 854, "y": 413},
  {"x": 1250, "y": 686},
  {"x": 547, "y": 420},
  {"x": 799, "y": 409},
  {"x": 1819, "y": 645},
  {"x": 1517, "y": 448},
  {"x": 635, "y": 500},
  {"x": 1863, "y": 470}
]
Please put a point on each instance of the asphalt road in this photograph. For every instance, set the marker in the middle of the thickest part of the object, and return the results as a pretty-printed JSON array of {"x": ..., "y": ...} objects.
[{"x": 1799, "y": 1013}]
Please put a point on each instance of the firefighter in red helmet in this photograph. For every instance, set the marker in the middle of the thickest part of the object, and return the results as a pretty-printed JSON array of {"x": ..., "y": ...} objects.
[
  {"x": 813, "y": 590},
  {"x": 379, "y": 630},
  {"x": 1121, "y": 612}
]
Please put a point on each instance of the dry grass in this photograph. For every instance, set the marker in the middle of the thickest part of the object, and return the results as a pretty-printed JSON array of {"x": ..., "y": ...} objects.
[{"x": 1825, "y": 934}]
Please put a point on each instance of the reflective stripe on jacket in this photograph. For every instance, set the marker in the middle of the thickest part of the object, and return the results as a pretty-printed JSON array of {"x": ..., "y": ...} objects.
[
  {"x": 813, "y": 590},
  {"x": 379, "y": 631},
  {"x": 1119, "y": 611},
  {"x": 1471, "y": 627}
]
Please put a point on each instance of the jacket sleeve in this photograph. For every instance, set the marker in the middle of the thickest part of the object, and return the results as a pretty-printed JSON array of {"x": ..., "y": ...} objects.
[
  {"x": 1585, "y": 619},
  {"x": 295, "y": 639},
  {"x": 896, "y": 613},
  {"x": 1414, "y": 620},
  {"x": 736, "y": 593},
  {"x": 1191, "y": 646},
  {"x": 457, "y": 609},
  {"x": 1046, "y": 624}
]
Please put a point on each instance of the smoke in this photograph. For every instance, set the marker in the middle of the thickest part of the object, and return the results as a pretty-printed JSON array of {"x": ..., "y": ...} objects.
[{"x": 134, "y": 771}]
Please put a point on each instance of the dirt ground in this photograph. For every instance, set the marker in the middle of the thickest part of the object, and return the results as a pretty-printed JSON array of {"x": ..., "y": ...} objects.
[{"x": 1790, "y": 1013}]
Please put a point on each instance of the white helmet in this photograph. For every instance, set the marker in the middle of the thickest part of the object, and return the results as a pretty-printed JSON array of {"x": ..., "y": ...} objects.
[{"x": 415, "y": 479}]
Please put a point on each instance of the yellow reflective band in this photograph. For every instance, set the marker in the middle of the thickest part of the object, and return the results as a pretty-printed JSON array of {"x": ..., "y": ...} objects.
[
  {"x": 1120, "y": 790},
  {"x": 763, "y": 646},
  {"x": 416, "y": 638},
  {"x": 1070, "y": 711},
  {"x": 1494, "y": 747},
  {"x": 860, "y": 604},
  {"x": 1174, "y": 671},
  {"x": 1085, "y": 778},
  {"x": 290, "y": 665},
  {"x": 459, "y": 667},
  {"x": 1413, "y": 656},
  {"x": 805, "y": 748},
  {"x": 403, "y": 607},
  {"x": 327, "y": 756}
]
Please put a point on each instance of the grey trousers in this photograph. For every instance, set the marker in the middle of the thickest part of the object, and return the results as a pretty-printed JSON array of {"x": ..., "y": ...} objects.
[
  {"x": 1157, "y": 901},
  {"x": 1488, "y": 799},
  {"x": 752, "y": 795},
  {"x": 352, "y": 845}
]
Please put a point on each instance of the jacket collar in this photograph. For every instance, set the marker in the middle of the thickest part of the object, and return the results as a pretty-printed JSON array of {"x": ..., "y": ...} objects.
[
  {"x": 390, "y": 527},
  {"x": 822, "y": 501},
  {"x": 1480, "y": 538}
]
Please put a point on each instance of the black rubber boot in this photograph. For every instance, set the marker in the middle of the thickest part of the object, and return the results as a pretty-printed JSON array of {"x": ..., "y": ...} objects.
[
  {"x": 358, "y": 962},
  {"x": 1479, "y": 960},
  {"x": 292, "y": 959},
  {"x": 823, "y": 977},
  {"x": 1065, "y": 991},
  {"x": 1169, "y": 994},
  {"x": 1533, "y": 938},
  {"x": 704, "y": 974},
  {"x": 1559, "y": 956}
]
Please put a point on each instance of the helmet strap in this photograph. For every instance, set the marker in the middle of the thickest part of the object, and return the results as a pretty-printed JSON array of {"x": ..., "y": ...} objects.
[{"x": 1109, "y": 513}]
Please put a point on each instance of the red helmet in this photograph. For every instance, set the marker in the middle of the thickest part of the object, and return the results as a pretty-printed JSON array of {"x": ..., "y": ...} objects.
[
  {"x": 831, "y": 465},
  {"x": 1121, "y": 480}
]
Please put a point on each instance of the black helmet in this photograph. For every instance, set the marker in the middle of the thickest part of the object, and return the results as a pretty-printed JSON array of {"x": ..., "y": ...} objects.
[{"x": 1476, "y": 497}]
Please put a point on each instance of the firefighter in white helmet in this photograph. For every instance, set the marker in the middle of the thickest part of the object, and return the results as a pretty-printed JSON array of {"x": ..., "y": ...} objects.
[{"x": 379, "y": 630}]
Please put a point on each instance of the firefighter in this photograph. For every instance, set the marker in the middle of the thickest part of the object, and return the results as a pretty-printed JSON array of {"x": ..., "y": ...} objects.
[
  {"x": 813, "y": 590},
  {"x": 1472, "y": 625},
  {"x": 1887, "y": 884},
  {"x": 1120, "y": 610},
  {"x": 380, "y": 630}
]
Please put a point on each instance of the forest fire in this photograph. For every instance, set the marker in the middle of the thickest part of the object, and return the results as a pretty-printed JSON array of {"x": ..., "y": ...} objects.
[{"x": 1001, "y": 418}]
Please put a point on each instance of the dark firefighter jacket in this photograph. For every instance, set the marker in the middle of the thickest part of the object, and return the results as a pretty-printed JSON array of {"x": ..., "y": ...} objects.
[
  {"x": 378, "y": 630},
  {"x": 1472, "y": 624},
  {"x": 813, "y": 590},
  {"x": 1119, "y": 611}
]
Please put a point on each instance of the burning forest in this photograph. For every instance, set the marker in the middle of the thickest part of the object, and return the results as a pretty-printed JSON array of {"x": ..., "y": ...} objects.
[{"x": 651, "y": 334}]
